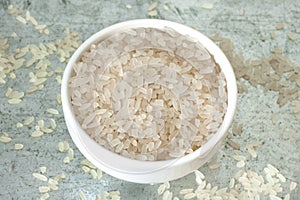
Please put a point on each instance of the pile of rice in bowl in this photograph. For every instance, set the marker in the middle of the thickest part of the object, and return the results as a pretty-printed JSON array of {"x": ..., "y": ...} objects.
[{"x": 148, "y": 94}]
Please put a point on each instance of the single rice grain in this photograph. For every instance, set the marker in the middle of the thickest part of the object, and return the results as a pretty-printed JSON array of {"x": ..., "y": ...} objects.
[
  {"x": 21, "y": 19},
  {"x": 293, "y": 186},
  {"x": 52, "y": 111},
  {"x": 43, "y": 169},
  {"x": 82, "y": 196},
  {"x": 5, "y": 139},
  {"x": 19, "y": 146},
  {"x": 39, "y": 177},
  {"x": 44, "y": 189}
]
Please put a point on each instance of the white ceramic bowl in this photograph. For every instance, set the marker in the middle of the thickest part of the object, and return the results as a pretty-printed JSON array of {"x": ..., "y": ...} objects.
[{"x": 148, "y": 171}]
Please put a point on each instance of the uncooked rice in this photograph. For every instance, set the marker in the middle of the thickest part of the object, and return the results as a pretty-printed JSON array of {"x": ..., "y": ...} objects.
[
  {"x": 39, "y": 176},
  {"x": 293, "y": 185},
  {"x": 44, "y": 189},
  {"x": 139, "y": 95},
  {"x": 19, "y": 146},
  {"x": 66, "y": 159},
  {"x": 52, "y": 111},
  {"x": 5, "y": 138},
  {"x": 43, "y": 169}
]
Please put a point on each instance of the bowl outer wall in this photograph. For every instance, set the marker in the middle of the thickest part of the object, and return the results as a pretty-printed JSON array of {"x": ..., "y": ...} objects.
[{"x": 148, "y": 171}]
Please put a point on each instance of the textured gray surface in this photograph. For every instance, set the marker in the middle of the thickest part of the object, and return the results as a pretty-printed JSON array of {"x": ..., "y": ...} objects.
[{"x": 281, "y": 141}]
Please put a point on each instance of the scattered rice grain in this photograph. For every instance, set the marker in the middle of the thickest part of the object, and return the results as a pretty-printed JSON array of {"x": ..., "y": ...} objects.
[
  {"x": 281, "y": 177},
  {"x": 152, "y": 6},
  {"x": 66, "y": 145},
  {"x": 82, "y": 196},
  {"x": 19, "y": 125},
  {"x": 33, "y": 21},
  {"x": 233, "y": 144},
  {"x": 27, "y": 15},
  {"x": 279, "y": 26},
  {"x": 66, "y": 160},
  {"x": 46, "y": 31},
  {"x": 52, "y": 123},
  {"x": 39, "y": 177},
  {"x": 14, "y": 35},
  {"x": 207, "y": 6},
  {"x": 231, "y": 183},
  {"x": 37, "y": 133},
  {"x": 43, "y": 169},
  {"x": 292, "y": 36},
  {"x": 14, "y": 101},
  {"x": 161, "y": 189},
  {"x": 85, "y": 169},
  {"x": 240, "y": 164},
  {"x": 32, "y": 89},
  {"x": 58, "y": 99},
  {"x": 99, "y": 174},
  {"x": 186, "y": 191},
  {"x": 5, "y": 139},
  {"x": 88, "y": 163},
  {"x": 52, "y": 111},
  {"x": 45, "y": 196},
  {"x": 44, "y": 189},
  {"x": 272, "y": 168},
  {"x": 239, "y": 157},
  {"x": 39, "y": 81},
  {"x": 189, "y": 196},
  {"x": 166, "y": 7},
  {"x": 19, "y": 146},
  {"x": 152, "y": 13},
  {"x": 61, "y": 147},
  {"x": 93, "y": 173},
  {"x": 252, "y": 152},
  {"x": 21, "y": 19},
  {"x": 293, "y": 186},
  {"x": 167, "y": 195},
  {"x": 8, "y": 92},
  {"x": 274, "y": 197},
  {"x": 71, "y": 153}
]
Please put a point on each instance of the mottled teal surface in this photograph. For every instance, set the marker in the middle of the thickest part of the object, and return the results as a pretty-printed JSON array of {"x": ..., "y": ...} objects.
[{"x": 244, "y": 22}]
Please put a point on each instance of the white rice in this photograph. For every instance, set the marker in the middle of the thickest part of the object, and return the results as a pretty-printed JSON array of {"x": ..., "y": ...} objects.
[
  {"x": 45, "y": 196},
  {"x": 19, "y": 146},
  {"x": 186, "y": 191},
  {"x": 61, "y": 147},
  {"x": 167, "y": 195},
  {"x": 43, "y": 169},
  {"x": 71, "y": 153},
  {"x": 21, "y": 19},
  {"x": 52, "y": 111},
  {"x": 85, "y": 169},
  {"x": 5, "y": 139},
  {"x": 14, "y": 101},
  {"x": 93, "y": 173},
  {"x": 40, "y": 177},
  {"x": 66, "y": 160},
  {"x": 52, "y": 123},
  {"x": 44, "y": 189},
  {"x": 161, "y": 189},
  {"x": 189, "y": 196},
  {"x": 88, "y": 164},
  {"x": 37, "y": 133},
  {"x": 165, "y": 101},
  {"x": 82, "y": 196},
  {"x": 293, "y": 186}
]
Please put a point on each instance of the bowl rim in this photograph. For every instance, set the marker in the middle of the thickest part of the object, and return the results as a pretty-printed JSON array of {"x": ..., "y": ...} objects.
[{"x": 131, "y": 166}]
